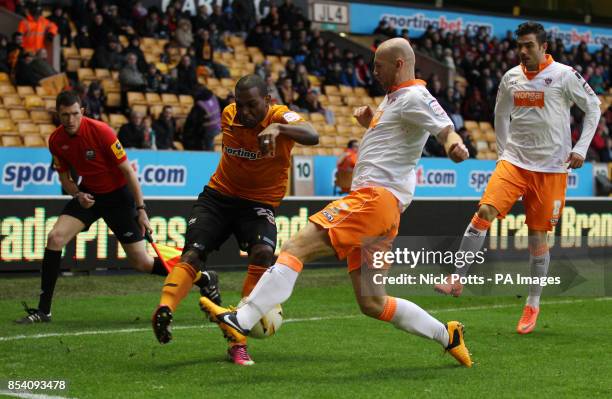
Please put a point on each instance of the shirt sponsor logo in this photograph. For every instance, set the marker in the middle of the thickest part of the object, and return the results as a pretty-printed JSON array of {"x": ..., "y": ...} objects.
[
  {"x": 90, "y": 155},
  {"x": 291, "y": 117},
  {"x": 242, "y": 153},
  {"x": 529, "y": 99},
  {"x": 117, "y": 149}
]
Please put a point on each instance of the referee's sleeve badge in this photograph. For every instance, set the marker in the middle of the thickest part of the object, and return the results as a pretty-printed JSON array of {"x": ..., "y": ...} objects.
[{"x": 118, "y": 149}]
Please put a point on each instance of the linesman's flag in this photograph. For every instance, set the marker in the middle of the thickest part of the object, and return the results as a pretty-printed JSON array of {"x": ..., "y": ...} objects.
[{"x": 169, "y": 256}]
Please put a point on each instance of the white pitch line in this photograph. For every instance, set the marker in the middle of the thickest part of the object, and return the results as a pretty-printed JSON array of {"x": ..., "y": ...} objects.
[
  {"x": 30, "y": 395},
  {"x": 300, "y": 320}
]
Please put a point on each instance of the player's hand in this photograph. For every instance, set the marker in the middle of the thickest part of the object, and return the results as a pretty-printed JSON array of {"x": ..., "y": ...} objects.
[
  {"x": 364, "y": 115},
  {"x": 267, "y": 139},
  {"x": 86, "y": 200},
  {"x": 143, "y": 222},
  {"x": 458, "y": 152},
  {"x": 574, "y": 161}
]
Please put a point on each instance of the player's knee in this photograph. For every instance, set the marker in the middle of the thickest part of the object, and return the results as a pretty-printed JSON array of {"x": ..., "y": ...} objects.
[
  {"x": 371, "y": 306},
  {"x": 195, "y": 258},
  {"x": 487, "y": 212},
  {"x": 261, "y": 255},
  {"x": 57, "y": 239}
]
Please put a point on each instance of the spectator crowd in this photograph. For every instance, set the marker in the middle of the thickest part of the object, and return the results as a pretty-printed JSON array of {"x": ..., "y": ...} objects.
[{"x": 194, "y": 42}]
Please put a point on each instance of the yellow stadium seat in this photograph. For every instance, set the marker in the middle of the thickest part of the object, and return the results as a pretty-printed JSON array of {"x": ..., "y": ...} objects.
[
  {"x": 141, "y": 108},
  {"x": 33, "y": 140},
  {"x": 153, "y": 98},
  {"x": 102, "y": 73},
  {"x": 186, "y": 100},
  {"x": 46, "y": 128},
  {"x": 27, "y": 127},
  {"x": 41, "y": 116},
  {"x": 113, "y": 99},
  {"x": 86, "y": 74},
  {"x": 34, "y": 101},
  {"x": 134, "y": 98},
  {"x": 7, "y": 126},
  {"x": 11, "y": 141},
  {"x": 330, "y": 89},
  {"x": 7, "y": 88},
  {"x": 12, "y": 102},
  {"x": 169, "y": 99},
  {"x": 18, "y": 115},
  {"x": 4, "y": 114},
  {"x": 24, "y": 90}
]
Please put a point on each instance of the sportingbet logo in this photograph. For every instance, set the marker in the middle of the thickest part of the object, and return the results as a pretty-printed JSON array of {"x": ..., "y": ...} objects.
[
  {"x": 160, "y": 175},
  {"x": 20, "y": 175},
  {"x": 418, "y": 22},
  {"x": 436, "y": 177},
  {"x": 478, "y": 179}
]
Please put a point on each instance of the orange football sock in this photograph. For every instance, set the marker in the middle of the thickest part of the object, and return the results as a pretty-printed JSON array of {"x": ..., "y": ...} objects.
[
  {"x": 177, "y": 285},
  {"x": 254, "y": 273}
]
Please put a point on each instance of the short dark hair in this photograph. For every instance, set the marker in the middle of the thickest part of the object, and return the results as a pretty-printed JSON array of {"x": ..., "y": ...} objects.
[
  {"x": 351, "y": 143},
  {"x": 247, "y": 82},
  {"x": 529, "y": 27},
  {"x": 67, "y": 98}
]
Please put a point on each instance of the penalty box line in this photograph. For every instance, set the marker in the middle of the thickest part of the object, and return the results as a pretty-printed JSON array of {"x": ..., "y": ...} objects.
[{"x": 297, "y": 320}]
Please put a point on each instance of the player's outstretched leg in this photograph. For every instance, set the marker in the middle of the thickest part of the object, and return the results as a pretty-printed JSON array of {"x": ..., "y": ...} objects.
[
  {"x": 539, "y": 259},
  {"x": 472, "y": 241},
  {"x": 408, "y": 316}
]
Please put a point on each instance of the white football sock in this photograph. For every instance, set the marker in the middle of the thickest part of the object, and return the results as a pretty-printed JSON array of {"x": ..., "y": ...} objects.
[
  {"x": 274, "y": 287},
  {"x": 412, "y": 318},
  {"x": 539, "y": 268},
  {"x": 472, "y": 241}
]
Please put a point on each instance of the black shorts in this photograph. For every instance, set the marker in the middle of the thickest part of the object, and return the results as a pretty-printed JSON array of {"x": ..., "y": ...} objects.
[
  {"x": 215, "y": 217},
  {"x": 118, "y": 210}
]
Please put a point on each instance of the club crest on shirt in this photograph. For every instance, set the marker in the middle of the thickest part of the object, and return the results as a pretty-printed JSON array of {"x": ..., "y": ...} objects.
[
  {"x": 90, "y": 155},
  {"x": 548, "y": 81}
]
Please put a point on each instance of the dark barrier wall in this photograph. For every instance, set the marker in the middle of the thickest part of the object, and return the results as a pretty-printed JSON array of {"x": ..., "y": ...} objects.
[{"x": 24, "y": 224}]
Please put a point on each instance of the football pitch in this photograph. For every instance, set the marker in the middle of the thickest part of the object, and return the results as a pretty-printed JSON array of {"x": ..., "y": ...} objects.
[{"x": 101, "y": 342}]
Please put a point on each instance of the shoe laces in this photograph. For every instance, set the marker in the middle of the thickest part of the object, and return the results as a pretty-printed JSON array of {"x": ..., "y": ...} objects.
[
  {"x": 240, "y": 351},
  {"x": 29, "y": 310},
  {"x": 527, "y": 314}
]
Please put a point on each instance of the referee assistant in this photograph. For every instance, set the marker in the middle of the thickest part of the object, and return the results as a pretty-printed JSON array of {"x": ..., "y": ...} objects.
[{"x": 109, "y": 189}]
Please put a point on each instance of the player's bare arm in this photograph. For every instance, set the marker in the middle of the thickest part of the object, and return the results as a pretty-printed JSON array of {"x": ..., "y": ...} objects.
[
  {"x": 302, "y": 133},
  {"x": 453, "y": 144},
  {"x": 132, "y": 181},
  {"x": 86, "y": 200},
  {"x": 364, "y": 115}
]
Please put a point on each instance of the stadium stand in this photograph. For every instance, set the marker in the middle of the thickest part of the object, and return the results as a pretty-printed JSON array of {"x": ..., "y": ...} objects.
[{"x": 309, "y": 72}]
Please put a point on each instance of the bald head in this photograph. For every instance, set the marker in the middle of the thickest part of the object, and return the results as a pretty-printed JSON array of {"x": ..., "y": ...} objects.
[
  {"x": 397, "y": 48},
  {"x": 394, "y": 62}
]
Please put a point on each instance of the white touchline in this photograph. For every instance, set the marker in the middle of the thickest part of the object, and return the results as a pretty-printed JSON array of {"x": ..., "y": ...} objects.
[
  {"x": 300, "y": 320},
  {"x": 30, "y": 395}
]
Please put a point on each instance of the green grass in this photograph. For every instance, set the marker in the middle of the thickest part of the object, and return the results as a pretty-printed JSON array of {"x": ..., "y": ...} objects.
[{"x": 338, "y": 356}]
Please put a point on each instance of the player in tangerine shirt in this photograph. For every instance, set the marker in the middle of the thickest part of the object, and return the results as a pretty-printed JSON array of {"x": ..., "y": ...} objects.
[{"x": 249, "y": 183}]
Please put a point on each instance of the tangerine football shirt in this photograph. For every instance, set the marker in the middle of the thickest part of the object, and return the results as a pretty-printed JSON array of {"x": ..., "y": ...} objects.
[{"x": 243, "y": 172}]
